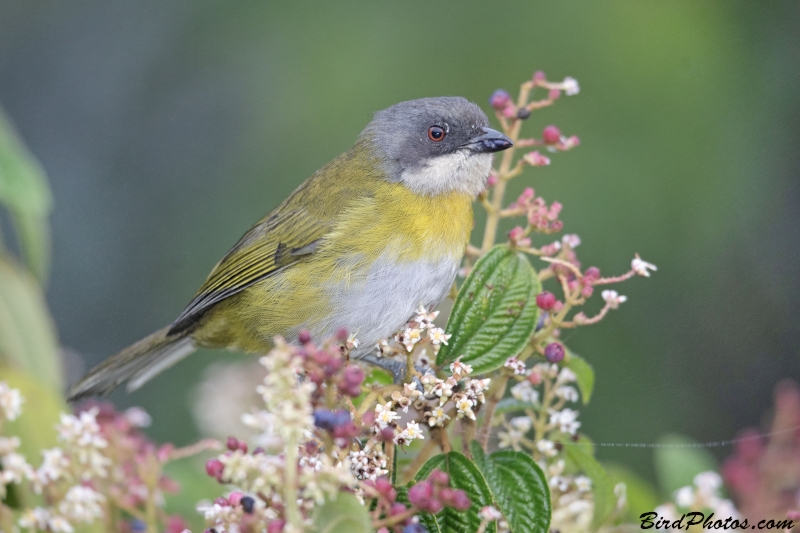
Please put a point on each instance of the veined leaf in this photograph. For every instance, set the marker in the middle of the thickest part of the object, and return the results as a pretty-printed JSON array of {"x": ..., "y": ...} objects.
[
  {"x": 464, "y": 475},
  {"x": 518, "y": 486},
  {"x": 27, "y": 334},
  {"x": 602, "y": 487},
  {"x": 584, "y": 373},
  {"x": 495, "y": 313},
  {"x": 345, "y": 513},
  {"x": 26, "y": 194}
]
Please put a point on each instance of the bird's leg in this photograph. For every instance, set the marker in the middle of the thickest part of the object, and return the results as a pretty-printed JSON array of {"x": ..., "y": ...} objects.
[{"x": 396, "y": 368}]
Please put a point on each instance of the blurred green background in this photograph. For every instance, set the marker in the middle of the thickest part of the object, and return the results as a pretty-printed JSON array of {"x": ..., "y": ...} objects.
[{"x": 168, "y": 128}]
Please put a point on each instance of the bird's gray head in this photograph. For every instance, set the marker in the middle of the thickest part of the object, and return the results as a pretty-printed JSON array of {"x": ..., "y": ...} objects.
[{"x": 436, "y": 145}]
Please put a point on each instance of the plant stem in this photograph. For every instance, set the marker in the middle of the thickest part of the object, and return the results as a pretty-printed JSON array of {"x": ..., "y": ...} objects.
[
  {"x": 491, "y": 404},
  {"x": 419, "y": 460},
  {"x": 290, "y": 491}
]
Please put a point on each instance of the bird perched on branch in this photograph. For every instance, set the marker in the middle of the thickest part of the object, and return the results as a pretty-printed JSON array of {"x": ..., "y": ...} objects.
[{"x": 359, "y": 245}]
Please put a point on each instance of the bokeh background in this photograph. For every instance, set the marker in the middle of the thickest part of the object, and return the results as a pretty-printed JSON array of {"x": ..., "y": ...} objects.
[{"x": 168, "y": 128}]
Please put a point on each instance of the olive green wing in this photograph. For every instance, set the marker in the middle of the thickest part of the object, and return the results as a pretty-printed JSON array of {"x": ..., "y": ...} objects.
[{"x": 283, "y": 238}]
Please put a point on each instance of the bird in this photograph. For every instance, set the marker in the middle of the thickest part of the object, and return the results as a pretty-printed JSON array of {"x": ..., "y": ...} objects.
[{"x": 360, "y": 245}]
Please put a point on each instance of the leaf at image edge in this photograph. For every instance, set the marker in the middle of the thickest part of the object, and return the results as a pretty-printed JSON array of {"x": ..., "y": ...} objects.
[{"x": 519, "y": 487}]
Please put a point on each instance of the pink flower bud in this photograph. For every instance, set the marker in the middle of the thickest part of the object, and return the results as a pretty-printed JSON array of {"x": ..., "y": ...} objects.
[
  {"x": 592, "y": 274},
  {"x": 510, "y": 111},
  {"x": 420, "y": 494},
  {"x": 499, "y": 99},
  {"x": 222, "y": 501},
  {"x": 275, "y": 526},
  {"x": 232, "y": 443},
  {"x": 491, "y": 181},
  {"x": 214, "y": 468},
  {"x": 383, "y": 485},
  {"x": 304, "y": 337},
  {"x": 554, "y": 352},
  {"x": 535, "y": 159},
  {"x": 551, "y": 135},
  {"x": 539, "y": 76},
  {"x": 342, "y": 334},
  {"x": 793, "y": 515},
  {"x": 461, "y": 501},
  {"x": 435, "y": 506},
  {"x": 439, "y": 478},
  {"x": 397, "y": 508},
  {"x": 553, "y": 94},
  {"x": 534, "y": 378},
  {"x": 235, "y": 498},
  {"x": 545, "y": 300},
  {"x": 386, "y": 434}
]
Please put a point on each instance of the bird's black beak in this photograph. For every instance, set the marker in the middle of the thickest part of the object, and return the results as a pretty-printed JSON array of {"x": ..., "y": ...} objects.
[{"x": 490, "y": 141}]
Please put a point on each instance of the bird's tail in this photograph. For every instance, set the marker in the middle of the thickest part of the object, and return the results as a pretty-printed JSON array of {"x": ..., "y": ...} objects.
[{"x": 136, "y": 364}]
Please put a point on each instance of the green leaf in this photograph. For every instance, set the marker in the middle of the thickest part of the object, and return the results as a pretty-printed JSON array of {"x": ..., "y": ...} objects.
[
  {"x": 678, "y": 459},
  {"x": 510, "y": 405},
  {"x": 195, "y": 485},
  {"x": 641, "y": 495},
  {"x": 602, "y": 487},
  {"x": 584, "y": 373},
  {"x": 494, "y": 314},
  {"x": 26, "y": 194},
  {"x": 27, "y": 334},
  {"x": 464, "y": 475},
  {"x": 345, "y": 513},
  {"x": 518, "y": 486}
]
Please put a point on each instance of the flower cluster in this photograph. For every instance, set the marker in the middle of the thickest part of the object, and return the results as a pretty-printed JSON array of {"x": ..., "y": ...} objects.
[
  {"x": 763, "y": 474},
  {"x": 418, "y": 336},
  {"x": 704, "y": 495},
  {"x": 103, "y": 467}
]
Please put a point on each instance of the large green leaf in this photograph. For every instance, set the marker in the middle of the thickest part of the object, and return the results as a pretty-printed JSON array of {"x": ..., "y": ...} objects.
[
  {"x": 26, "y": 194},
  {"x": 602, "y": 487},
  {"x": 518, "y": 486},
  {"x": 345, "y": 513},
  {"x": 495, "y": 313},
  {"x": 584, "y": 373},
  {"x": 678, "y": 459},
  {"x": 463, "y": 475},
  {"x": 27, "y": 333}
]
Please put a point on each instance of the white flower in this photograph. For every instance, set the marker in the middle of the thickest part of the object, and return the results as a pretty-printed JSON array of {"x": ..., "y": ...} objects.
[
  {"x": 59, "y": 524},
  {"x": 490, "y": 514},
  {"x": 410, "y": 391},
  {"x": 684, "y": 497},
  {"x": 411, "y": 432},
  {"x": 524, "y": 392},
  {"x": 436, "y": 416},
  {"x": 36, "y": 519},
  {"x": 572, "y": 240},
  {"x": 613, "y": 298},
  {"x": 516, "y": 366},
  {"x": 138, "y": 417},
  {"x": 567, "y": 393},
  {"x": 559, "y": 482},
  {"x": 369, "y": 463},
  {"x": 438, "y": 336},
  {"x": 708, "y": 483},
  {"x": 459, "y": 369},
  {"x": 566, "y": 420},
  {"x": 547, "y": 448},
  {"x": 15, "y": 469},
  {"x": 82, "y": 504},
  {"x": 410, "y": 337},
  {"x": 583, "y": 483},
  {"x": 556, "y": 468},
  {"x": 54, "y": 466},
  {"x": 464, "y": 408},
  {"x": 570, "y": 86},
  {"x": 10, "y": 401},
  {"x": 522, "y": 423},
  {"x": 384, "y": 415},
  {"x": 425, "y": 318},
  {"x": 566, "y": 376},
  {"x": 510, "y": 439},
  {"x": 8, "y": 445},
  {"x": 642, "y": 267}
]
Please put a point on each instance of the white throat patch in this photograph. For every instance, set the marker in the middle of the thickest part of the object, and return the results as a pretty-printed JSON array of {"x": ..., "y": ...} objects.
[{"x": 461, "y": 171}]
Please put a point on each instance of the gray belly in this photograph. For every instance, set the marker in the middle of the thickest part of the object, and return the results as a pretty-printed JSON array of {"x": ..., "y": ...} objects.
[{"x": 385, "y": 297}]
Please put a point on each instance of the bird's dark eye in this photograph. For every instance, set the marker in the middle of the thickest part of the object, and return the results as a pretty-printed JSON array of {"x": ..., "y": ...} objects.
[{"x": 436, "y": 133}]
